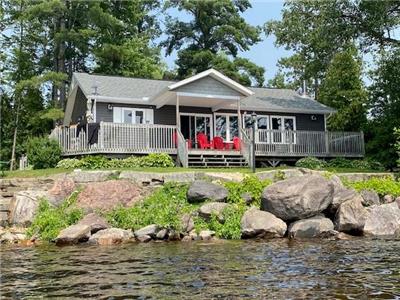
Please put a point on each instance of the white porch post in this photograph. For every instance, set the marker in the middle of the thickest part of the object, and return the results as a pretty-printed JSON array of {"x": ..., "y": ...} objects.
[
  {"x": 178, "y": 119},
  {"x": 239, "y": 119}
]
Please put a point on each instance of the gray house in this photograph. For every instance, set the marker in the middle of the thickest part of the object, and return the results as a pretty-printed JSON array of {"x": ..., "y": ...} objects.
[{"x": 204, "y": 120}]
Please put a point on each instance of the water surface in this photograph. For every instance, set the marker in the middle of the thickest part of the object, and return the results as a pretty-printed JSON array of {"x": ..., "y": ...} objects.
[{"x": 279, "y": 269}]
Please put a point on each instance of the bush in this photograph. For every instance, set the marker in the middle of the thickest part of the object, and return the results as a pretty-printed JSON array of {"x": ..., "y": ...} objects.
[
  {"x": 383, "y": 186},
  {"x": 49, "y": 220},
  {"x": 160, "y": 160},
  {"x": 43, "y": 152},
  {"x": 69, "y": 163},
  {"x": 250, "y": 184},
  {"x": 360, "y": 164},
  {"x": 311, "y": 163},
  {"x": 230, "y": 228}
]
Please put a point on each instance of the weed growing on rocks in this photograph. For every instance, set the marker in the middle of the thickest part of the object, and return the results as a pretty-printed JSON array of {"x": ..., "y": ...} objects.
[{"x": 383, "y": 186}]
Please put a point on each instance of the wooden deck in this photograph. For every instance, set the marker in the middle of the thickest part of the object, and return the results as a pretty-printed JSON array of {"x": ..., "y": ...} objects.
[{"x": 113, "y": 138}]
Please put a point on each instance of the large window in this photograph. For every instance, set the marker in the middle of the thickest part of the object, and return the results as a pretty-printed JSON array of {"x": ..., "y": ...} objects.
[
  {"x": 285, "y": 125},
  {"x": 133, "y": 116},
  {"x": 262, "y": 125},
  {"x": 226, "y": 126}
]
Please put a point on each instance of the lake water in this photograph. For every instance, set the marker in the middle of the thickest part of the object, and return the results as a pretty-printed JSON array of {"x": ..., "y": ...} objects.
[{"x": 280, "y": 269}]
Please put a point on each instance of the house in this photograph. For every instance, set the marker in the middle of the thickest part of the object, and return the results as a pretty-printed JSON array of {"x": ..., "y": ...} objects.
[{"x": 203, "y": 120}]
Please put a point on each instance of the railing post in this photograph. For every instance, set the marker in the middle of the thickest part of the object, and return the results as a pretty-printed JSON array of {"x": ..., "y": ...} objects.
[
  {"x": 327, "y": 142},
  {"x": 362, "y": 143}
]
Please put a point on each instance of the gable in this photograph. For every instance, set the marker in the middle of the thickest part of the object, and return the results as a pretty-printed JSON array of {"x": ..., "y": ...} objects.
[{"x": 208, "y": 86}]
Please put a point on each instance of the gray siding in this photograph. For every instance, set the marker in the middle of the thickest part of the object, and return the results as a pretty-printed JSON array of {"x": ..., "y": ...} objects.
[
  {"x": 208, "y": 86},
  {"x": 103, "y": 114},
  {"x": 79, "y": 110}
]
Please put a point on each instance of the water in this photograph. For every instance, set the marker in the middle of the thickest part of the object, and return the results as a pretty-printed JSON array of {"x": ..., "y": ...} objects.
[{"x": 279, "y": 269}]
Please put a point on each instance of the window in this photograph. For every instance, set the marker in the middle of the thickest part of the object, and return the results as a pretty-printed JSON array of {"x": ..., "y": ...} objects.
[
  {"x": 226, "y": 126},
  {"x": 262, "y": 124},
  {"x": 281, "y": 125}
]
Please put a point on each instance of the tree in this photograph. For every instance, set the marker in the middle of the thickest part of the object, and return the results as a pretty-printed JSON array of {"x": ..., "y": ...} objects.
[
  {"x": 279, "y": 82},
  {"x": 342, "y": 88},
  {"x": 213, "y": 37}
]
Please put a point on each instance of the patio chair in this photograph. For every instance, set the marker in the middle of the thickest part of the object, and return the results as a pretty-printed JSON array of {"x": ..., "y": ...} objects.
[
  {"x": 218, "y": 143},
  {"x": 236, "y": 143},
  {"x": 203, "y": 142}
]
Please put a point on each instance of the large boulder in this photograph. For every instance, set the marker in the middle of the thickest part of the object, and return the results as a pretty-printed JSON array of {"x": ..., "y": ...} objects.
[
  {"x": 258, "y": 223},
  {"x": 150, "y": 230},
  {"x": 298, "y": 197},
  {"x": 111, "y": 236},
  {"x": 210, "y": 208},
  {"x": 73, "y": 234},
  {"x": 61, "y": 189},
  {"x": 24, "y": 206},
  {"x": 369, "y": 198},
  {"x": 350, "y": 216},
  {"x": 310, "y": 228},
  {"x": 200, "y": 190},
  {"x": 95, "y": 222},
  {"x": 108, "y": 194},
  {"x": 340, "y": 196},
  {"x": 383, "y": 220}
]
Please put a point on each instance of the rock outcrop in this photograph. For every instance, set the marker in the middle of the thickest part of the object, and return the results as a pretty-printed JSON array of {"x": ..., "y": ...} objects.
[
  {"x": 61, "y": 189},
  {"x": 24, "y": 206},
  {"x": 369, "y": 198},
  {"x": 200, "y": 191},
  {"x": 310, "y": 228},
  {"x": 383, "y": 220},
  {"x": 298, "y": 198},
  {"x": 258, "y": 223},
  {"x": 350, "y": 216}
]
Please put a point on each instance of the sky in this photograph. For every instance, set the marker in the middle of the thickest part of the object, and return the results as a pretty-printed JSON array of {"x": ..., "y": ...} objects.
[{"x": 265, "y": 53}]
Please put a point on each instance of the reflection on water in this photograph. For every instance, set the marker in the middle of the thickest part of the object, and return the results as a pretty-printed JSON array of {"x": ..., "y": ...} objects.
[{"x": 279, "y": 269}]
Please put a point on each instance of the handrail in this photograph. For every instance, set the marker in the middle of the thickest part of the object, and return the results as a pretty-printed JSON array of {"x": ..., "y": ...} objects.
[
  {"x": 182, "y": 152},
  {"x": 246, "y": 147}
]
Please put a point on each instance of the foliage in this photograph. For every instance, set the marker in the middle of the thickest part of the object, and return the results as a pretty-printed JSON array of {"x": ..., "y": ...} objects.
[
  {"x": 213, "y": 37},
  {"x": 94, "y": 162},
  {"x": 50, "y": 220},
  {"x": 397, "y": 144},
  {"x": 360, "y": 164},
  {"x": 164, "y": 208},
  {"x": 162, "y": 160},
  {"x": 311, "y": 163},
  {"x": 69, "y": 163},
  {"x": 43, "y": 152},
  {"x": 383, "y": 186},
  {"x": 230, "y": 228},
  {"x": 250, "y": 184}
]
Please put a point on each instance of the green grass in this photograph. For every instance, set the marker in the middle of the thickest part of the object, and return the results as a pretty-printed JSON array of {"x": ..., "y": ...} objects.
[{"x": 34, "y": 173}]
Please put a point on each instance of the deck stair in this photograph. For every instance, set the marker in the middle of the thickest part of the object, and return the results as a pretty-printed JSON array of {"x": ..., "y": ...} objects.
[{"x": 210, "y": 160}]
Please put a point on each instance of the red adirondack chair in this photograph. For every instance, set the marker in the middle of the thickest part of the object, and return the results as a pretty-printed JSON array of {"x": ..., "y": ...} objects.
[
  {"x": 203, "y": 141},
  {"x": 236, "y": 143},
  {"x": 218, "y": 143}
]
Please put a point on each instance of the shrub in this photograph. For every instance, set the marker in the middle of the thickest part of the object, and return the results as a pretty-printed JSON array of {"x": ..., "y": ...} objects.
[
  {"x": 230, "y": 228},
  {"x": 160, "y": 160},
  {"x": 360, "y": 164},
  {"x": 49, "y": 220},
  {"x": 69, "y": 163},
  {"x": 43, "y": 152},
  {"x": 311, "y": 163},
  {"x": 250, "y": 184},
  {"x": 93, "y": 162},
  {"x": 382, "y": 186}
]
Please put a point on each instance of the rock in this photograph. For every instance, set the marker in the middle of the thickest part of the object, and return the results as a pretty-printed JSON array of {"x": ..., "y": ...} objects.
[
  {"x": 187, "y": 223},
  {"x": 330, "y": 234},
  {"x": 8, "y": 238},
  {"x": 24, "y": 206},
  {"x": 95, "y": 222},
  {"x": 186, "y": 238},
  {"x": 350, "y": 216},
  {"x": 194, "y": 236},
  {"x": 150, "y": 230},
  {"x": 73, "y": 234},
  {"x": 257, "y": 223},
  {"x": 210, "y": 208},
  {"x": 298, "y": 197},
  {"x": 206, "y": 235},
  {"x": 341, "y": 195},
  {"x": 108, "y": 194},
  {"x": 80, "y": 176},
  {"x": 382, "y": 220},
  {"x": 111, "y": 236},
  {"x": 199, "y": 191},
  {"x": 162, "y": 234},
  {"x": 369, "y": 198},
  {"x": 61, "y": 189},
  {"x": 247, "y": 197},
  {"x": 310, "y": 228},
  {"x": 144, "y": 238},
  {"x": 387, "y": 199},
  {"x": 398, "y": 201},
  {"x": 173, "y": 235},
  {"x": 343, "y": 236}
]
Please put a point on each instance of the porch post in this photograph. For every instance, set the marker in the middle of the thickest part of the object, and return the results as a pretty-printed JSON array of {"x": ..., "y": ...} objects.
[
  {"x": 239, "y": 119},
  {"x": 178, "y": 119}
]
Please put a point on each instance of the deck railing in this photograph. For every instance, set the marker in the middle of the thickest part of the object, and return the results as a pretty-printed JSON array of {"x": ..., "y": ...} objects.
[
  {"x": 182, "y": 152},
  {"x": 246, "y": 147}
]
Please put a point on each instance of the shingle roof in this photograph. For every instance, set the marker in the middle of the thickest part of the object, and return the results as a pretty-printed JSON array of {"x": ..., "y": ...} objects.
[{"x": 274, "y": 100}]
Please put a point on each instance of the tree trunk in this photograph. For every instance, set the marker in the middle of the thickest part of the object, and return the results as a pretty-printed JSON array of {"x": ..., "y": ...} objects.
[
  {"x": 14, "y": 139},
  {"x": 61, "y": 63}
]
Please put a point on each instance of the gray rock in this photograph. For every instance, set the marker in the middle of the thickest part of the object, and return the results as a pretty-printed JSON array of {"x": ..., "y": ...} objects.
[
  {"x": 8, "y": 238},
  {"x": 247, "y": 197},
  {"x": 341, "y": 195},
  {"x": 310, "y": 228},
  {"x": 187, "y": 238},
  {"x": 162, "y": 234},
  {"x": 387, "y": 199},
  {"x": 95, "y": 222},
  {"x": 257, "y": 223},
  {"x": 80, "y": 176},
  {"x": 111, "y": 236},
  {"x": 144, "y": 238},
  {"x": 194, "y": 236},
  {"x": 199, "y": 191},
  {"x": 382, "y": 220},
  {"x": 369, "y": 198},
  {"x": 73, "y": 234},
  {"x": 343, "y": 236},
  {"x": 210, "y": 208},
  {"x": 24, "y": 206},
  {"x": 350, "y": 216},
  {"x": 150, "y": 230},
  {"x": 206, "y": 235},
  {"x": 174, "y": 235},
  {"x": 298, "y": 197},
  {"x": 187, "y": 223}
]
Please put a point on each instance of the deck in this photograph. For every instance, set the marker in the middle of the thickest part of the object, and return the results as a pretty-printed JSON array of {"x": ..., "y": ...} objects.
[{"x": 113, "y": 138}]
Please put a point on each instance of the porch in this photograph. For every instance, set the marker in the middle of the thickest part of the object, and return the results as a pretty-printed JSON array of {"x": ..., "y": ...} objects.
[{"x": 129, "y": 139}]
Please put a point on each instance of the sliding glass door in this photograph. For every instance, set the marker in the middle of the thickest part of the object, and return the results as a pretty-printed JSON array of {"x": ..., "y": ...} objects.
[
  {"x": 193, "y": 124},
  {"x": 226, "y": 126}
]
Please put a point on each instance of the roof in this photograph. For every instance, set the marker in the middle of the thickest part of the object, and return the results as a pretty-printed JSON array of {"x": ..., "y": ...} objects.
[{"x": 139, "y": 90}]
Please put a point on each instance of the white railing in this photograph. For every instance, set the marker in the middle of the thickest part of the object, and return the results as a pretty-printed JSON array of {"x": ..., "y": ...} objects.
[
  {"x": 246, "y": 147},
  {"x": 182, "y": 152},
  {"x": 116, "y": 138}
]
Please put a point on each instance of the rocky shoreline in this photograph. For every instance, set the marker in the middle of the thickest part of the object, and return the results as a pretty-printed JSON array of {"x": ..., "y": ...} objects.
[{"x": 306, "y": 204}]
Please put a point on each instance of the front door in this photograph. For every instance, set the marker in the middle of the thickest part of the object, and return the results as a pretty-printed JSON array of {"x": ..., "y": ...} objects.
[{"x": 193, "y": 124}]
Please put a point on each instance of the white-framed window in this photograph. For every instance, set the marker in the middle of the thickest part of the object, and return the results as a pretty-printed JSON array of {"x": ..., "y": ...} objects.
[
  {"x": 192, "y": 124},
  {"x": 262, "y": 126},
  {"x": 129, "y": 115},
  {"x": 283, "y": 127},
  {"x": 226, "y": 126}
]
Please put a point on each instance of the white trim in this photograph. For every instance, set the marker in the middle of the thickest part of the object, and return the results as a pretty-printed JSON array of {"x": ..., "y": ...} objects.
[
  {"x": 122, "y": 100},
  {"x": 210, "y": 96},
  {"x": 94, "y": 110},
  {"x": 286, "y": 110},
  {"x": 133, "y": 110},
  {"x": 216, "y": 75}
]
